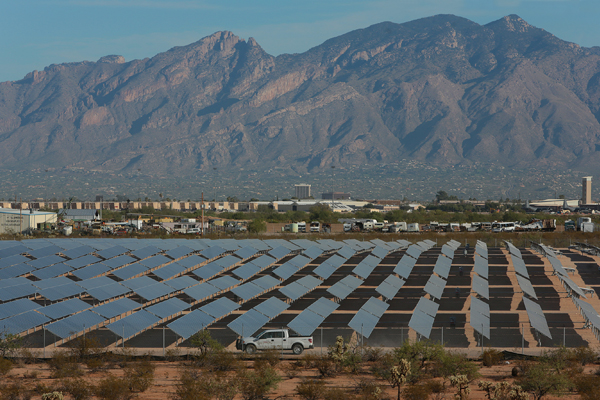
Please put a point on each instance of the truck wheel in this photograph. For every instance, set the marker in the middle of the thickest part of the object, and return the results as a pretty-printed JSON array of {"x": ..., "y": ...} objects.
[
  {"x": 251, "y": 349},
  {"x": 297, "y": 349}
]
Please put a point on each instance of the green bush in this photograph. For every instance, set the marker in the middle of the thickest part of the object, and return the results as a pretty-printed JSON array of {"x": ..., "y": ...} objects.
[
  {"x": 492, "y": 357},
  {"x": 77, "y": 388},
  {"x": 5, "y": 366},
  {"x": 15, "y": 391},
  {"x": 196, "y": 386},
  {"x": 587, "y": 386},
  {"x": 326, "y": 367},
  {"x": 416, "y": 392},
  {"x": 64, "y": 366},
  {"x": 368, "y": 390},
  {"x": 310, "y": 389},
  {"x": 113, "y": 388},
  {"x": 254, "y": 385},
  {"x": 139, "y": 375}
]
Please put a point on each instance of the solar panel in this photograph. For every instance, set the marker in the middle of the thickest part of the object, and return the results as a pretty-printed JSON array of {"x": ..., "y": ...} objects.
[
  {"x": 220, "y": 307},
  {"x": 247, "y": 291},
  {"x": 130, "y": 271},
  {"x": 181, "y": 282},
  {"x": 427, "y": 306},
  {"x": 525, "y": 285},
  {"x": 263, "y": 261},
  {"x": 118, "y": 261},
  {"x": 246, "y": 271},
  {"x": 169, "y": 271},
  {"x": 294, "y": 290},
  {"x": 442, "y": 266},
  {"x": 45, "y": 261},
  {"x": 106, "y": 292},
  {"x": 112, "y": 252},
  {"x": 167, "y": 308},
  {"x": 405, "y": 266},
  {"x": 279, "y": 252},
  {"x": 155, "y": 261},
  {"x": 23, "y": 322},
  {"x": 272, "y": 307},
  {"x": 13, "y": 260},
  {"x": 133, "y": 324},
  {"x": 191, "y": 261},
  {"x": 64, "y": 308},
  {"x": 115, "y": 308},
  {"x": 83, "y": 261},
  {"x": 146, "y": 252},
  {"x": 285, "y": 270},
  {"x": 306, "y": 322},
  {"x": 363, "y": 270},
  {"x": 18, "y": 291},
  {"x": 91, "y": 271},
  {"x": 179, "y": 252},
  {"x": 69, "y": 326},
  {"x": 481, "y": 287},
  {"x": 78, "y": 251},
  {"x": 187, "y": 325},
  {"x": 312, "y": 252},
  {"x": 324, "y": 270},
  {"x": 246, "y": 252},
  {"x": 481, "y": 266},
  {"x": 414, "y": 251},
  {"x": 17, "y": 307},
  {"x": 212, "y": 252},
  {"x": 480, "y": 307},
  {"x": 299, "y": 261},
  {"x": 13, "y": 282},
  {"x": 13, "y": 250},
  {"x": 421, "y": 323},
  {"x": 346, "y": 252},
  {"x": 45, "y": 252},
  {"x": 435, "y": 286},
  {"x": 375, "y": 307},
  {"x": 155, "y": 291},
  {"x": 139, "y": 282},
  {"x": 481, "y": 250},
  {"x": 248, "y": 323},
  {"x": 344, "y": 287},
  {"x": 519, "y": 266},
  {"x": 448, "y": 251},
  {"x": 15, "y": 270},
  {"x": 208, "y": 271},
  {"x": 390, "y": 286},
  {"x": 536, "y": 317},
  {"x": 480, "y": 323},
  {"x": 224, "y": 282},
  {"x": 201, "y": 291},
  {"x": 363, "y": 322},
  {"x": 52, "y": 271},
  {"x": 266, "y": 282}
]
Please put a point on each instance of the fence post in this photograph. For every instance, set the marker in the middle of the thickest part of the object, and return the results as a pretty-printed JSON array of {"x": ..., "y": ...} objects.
[
  {"x": 442, "y": 335},
  {"x": 564, "y": 337},
  {"x": 321, "y": 341},
  {"x": 522, "y": 340}
]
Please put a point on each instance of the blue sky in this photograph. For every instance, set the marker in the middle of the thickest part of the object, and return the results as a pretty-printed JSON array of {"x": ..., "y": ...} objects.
[{"x": 37, "y": 33}]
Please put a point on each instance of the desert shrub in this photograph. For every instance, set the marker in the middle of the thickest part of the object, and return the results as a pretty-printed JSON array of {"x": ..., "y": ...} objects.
[
  {"x": 416, "y": 392},
  {"x": 33, "y": 374},
  {"x": 64, "y": 366},
  {"x": 585, "y": 355},
  {"x": 326, "y": 367},
  {"x": 382, "y": 367},
  {"x": 368, "y": 390},
  {"x": 373, "y": 354},
  {"x": 307, "y": 360},
  {"x": 345, "y": 356},
  {"x": 420, "y": 355},
  {"x": 9, "y": 344},
  {"x": 5, "y": 366},
  {"x": 449, "y": 363},
  {"x": 139, "y": 375},
  {"x": 27, "y": 356},
  {"x": 113, "y": 388},
  {"x": 173, "y": 354},
  {"x": 194, "y": 385},
  {"x": 95, "y": 364},
  {"x": 310, "y": 389},
  {"x": 502, "y": 391},
  {"x": 290, "y": 370},
  {"x": 541, "y": 378},
  {"x": 254, "y": 385},
  {"x": 41, "y": 388},
  {"x": 84, "y": 347},
  {"x": 492, "y": 357},
  {"x": 204, "y": 342},
  {"x": 587, "y": 386},
  {"x": 271, "y": 357},
  {"x": 461, "y": 383},
  {"x": 77, "y": 388},
  {"x": 15, "y": 391},
  {"x": 336, "y": 393},
  {"x": 436, "y": 388},
  {"x": 218, "y": 360}
]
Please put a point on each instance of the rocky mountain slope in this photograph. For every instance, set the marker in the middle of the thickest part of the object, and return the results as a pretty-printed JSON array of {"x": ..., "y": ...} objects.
[{"x": 440, "y": 90}]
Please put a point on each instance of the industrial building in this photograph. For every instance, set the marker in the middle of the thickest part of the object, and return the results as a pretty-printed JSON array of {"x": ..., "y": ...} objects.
[
  {"x": 24, "y": 221},
  {"x": 335, "y": 196},
  {"x": 302, "y": 191}
]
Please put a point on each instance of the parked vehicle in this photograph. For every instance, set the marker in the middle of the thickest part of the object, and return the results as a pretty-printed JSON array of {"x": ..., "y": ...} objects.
[
  {"x": 315, "y": 227},
  {"x": 413, "y": 227},
  {"x": 503, "y": 227},
  {"x": 280, "y": 339}
]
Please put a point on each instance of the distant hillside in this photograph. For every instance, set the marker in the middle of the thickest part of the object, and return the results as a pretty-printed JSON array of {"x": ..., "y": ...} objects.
[{"x": 441, "y": 90}]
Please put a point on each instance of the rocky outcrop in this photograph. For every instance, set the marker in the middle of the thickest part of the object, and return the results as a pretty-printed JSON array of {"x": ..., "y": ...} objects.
[{"x": 443, "y": 90}]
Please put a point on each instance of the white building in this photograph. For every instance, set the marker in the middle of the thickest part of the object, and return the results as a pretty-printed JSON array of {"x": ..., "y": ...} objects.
[{"x": 23, "y": 221}]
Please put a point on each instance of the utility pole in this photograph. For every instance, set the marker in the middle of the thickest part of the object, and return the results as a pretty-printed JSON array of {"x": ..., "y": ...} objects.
[{"x": 202, "y": 207}]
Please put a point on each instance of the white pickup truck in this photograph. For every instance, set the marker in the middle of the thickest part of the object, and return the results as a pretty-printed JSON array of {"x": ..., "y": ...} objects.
[{"x": 278, "y": 339}]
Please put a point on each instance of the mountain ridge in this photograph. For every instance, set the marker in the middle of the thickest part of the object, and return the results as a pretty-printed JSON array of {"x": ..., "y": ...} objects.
[{"x": 442, "y": 90}]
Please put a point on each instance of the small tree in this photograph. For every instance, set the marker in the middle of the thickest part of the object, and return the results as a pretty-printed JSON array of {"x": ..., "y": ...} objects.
[
  {"x": 541, "y": 379},
  {"x": 254, "y": 385},
  {"x": 9, "y": 344},
  {"x": 204, "y": 342},
  {"x": 398, "y": 375},
  {"x": 257, "y": 226},
  {"x": 461, "y": 383}
]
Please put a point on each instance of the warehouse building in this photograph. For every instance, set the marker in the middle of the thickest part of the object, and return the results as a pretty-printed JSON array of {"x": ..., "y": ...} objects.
[{"x": 24, "y": 221}]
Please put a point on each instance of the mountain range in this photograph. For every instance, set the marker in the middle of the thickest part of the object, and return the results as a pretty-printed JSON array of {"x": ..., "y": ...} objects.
[{"x": 441, "y": 90}]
